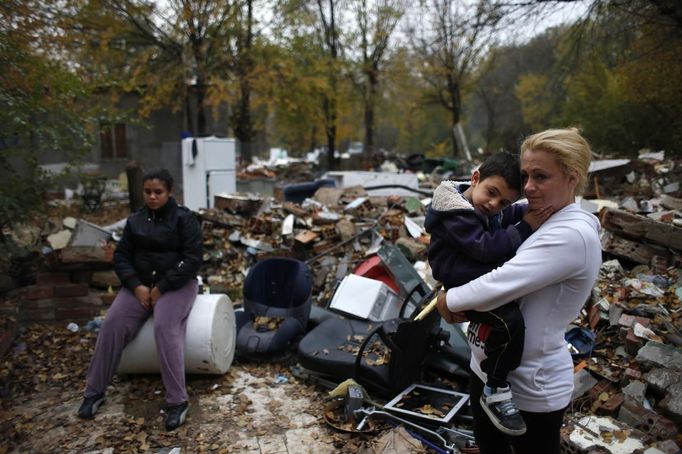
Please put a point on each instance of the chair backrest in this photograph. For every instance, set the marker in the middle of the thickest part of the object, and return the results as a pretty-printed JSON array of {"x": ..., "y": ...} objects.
[
  {"x": 409, "y": 341},
  {"x": 278, "y": 282},
  {"x": 275, "y": 287}
]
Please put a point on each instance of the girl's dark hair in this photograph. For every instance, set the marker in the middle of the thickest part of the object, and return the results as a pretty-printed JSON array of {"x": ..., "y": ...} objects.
[
  {"x": 161, "y": 175},
  {"x": 505, "y": 165}
]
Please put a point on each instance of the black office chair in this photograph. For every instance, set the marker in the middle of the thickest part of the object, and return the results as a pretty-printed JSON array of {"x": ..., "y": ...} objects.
[
  {"x": 277, "y": 302},
  {"x": 384, "y": 357}
]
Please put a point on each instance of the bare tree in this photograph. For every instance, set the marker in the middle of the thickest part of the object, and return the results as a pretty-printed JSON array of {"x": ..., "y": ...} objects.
[
  {"x": 376, "y": 23},
  {"x": 451, "y": 43},
  {"x": 243, "y": 66},
  {"x": 331, "y": 47}
]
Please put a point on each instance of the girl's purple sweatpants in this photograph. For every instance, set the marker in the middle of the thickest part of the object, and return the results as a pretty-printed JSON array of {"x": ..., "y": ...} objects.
[{"x": 124, "y": 319}]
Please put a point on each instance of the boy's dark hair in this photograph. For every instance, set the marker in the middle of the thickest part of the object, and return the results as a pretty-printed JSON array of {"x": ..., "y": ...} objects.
[
  {"x": 160, "y": 174},
  {"x": 505, "y": 165}
]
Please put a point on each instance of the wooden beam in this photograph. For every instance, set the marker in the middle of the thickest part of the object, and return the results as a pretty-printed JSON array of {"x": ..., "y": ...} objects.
[
  {"x": 638, "y": 227},
  {"x": 631, "y": 250}
]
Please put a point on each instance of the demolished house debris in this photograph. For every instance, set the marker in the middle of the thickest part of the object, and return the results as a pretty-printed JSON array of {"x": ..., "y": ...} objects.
[{"x": 626, "y": 345}]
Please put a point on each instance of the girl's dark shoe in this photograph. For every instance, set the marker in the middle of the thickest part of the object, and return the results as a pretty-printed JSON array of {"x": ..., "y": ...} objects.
[
  {"x": 175, "y": 415},
  {"x": 90, "y": 405}
]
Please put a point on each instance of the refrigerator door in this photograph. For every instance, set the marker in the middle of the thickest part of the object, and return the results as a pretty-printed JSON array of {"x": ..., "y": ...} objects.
[
  {"x": 219, "y": 154},
  {"x": 220, "y": 181}
]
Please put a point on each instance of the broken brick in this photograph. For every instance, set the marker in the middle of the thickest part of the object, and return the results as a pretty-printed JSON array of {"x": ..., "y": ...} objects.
[
  {"x": 611, "y": 406},
  {"x": 306, "y": 237},
  {"x": 36, "y": 292},
  {"x": 48, "y": 279},
  {"x": 651, "y": 423},
  {"x": 70, "y": 290}
]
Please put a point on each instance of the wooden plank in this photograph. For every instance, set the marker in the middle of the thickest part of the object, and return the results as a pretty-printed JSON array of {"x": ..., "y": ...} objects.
[{"x": 636, "y": 227}]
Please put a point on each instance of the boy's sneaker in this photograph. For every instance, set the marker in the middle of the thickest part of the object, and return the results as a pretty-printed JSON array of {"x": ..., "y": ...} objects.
[
  {"x": 503, "y": 412},
  {"x": 175, "y": 415},
  {"x": 90, "y": 405}
]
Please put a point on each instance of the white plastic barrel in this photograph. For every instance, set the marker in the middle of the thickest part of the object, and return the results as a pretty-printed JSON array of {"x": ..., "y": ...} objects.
[{"x": 209, "y": 344}]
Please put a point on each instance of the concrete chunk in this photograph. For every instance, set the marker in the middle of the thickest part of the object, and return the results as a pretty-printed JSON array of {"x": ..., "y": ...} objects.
[
  {"x": 661, "y": 379},
  {"x": 672, "y": 402},
  {"x": 583, "y": 381},
  {"x": 654, "y": 354},
  {"x": 635, "y": 390}
]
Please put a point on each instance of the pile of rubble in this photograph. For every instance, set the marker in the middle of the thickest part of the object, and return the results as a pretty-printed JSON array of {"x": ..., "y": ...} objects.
[{"x": 626, "y": 344}]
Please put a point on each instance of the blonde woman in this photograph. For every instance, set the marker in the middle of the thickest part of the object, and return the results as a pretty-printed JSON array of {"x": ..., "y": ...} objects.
[{"x": 552, "y": 276}]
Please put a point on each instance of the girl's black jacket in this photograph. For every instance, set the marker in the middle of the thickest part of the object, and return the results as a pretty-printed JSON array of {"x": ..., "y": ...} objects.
[{"x": 159, "y": 248}]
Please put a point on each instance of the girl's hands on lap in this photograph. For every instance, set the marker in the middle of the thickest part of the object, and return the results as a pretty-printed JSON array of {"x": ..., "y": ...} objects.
[
  {"x": 154, "y": 296},
  {"x": 143, "y": 294}
]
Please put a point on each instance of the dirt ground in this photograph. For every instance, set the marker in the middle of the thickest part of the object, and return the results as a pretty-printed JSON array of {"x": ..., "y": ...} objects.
[{"x": 254, "y": 408}]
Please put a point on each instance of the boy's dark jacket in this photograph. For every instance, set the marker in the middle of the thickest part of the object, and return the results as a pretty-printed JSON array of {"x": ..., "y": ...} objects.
[
  {"x": 161, "y": 248},
  {"x": 465, "y": 244}
]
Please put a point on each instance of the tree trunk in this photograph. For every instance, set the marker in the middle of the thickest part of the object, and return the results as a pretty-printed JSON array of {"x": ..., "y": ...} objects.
[
  {"x": 201, "y": 108},
  {"x": 243, "y": 129},
  {"x": 188, "y": 113},
  {"x": 244, "y": 125},
  {"x": 455, "y": 109},
  {"x": 134, "y": 173},
  {"x": 453, "y": 136},
  {"x": 369, "y": 113},
  {"x": 330, "y": 113}
]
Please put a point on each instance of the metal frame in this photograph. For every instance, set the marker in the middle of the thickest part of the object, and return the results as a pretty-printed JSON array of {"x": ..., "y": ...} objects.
[{"x": 460, "y": 400}]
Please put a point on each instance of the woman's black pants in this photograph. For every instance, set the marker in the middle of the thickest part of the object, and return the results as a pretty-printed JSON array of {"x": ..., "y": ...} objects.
[{"x": 542, "y": 435}]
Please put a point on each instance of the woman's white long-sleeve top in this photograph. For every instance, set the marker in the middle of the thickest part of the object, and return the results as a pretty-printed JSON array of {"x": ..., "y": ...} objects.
[{"x": 552, "y": 273}]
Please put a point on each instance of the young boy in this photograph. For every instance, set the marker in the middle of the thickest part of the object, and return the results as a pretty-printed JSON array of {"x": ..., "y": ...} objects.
[{"x": 474, "y": 229}]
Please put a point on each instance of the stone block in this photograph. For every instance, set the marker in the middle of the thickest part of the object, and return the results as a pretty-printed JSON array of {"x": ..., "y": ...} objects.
[
  {"x": 672, "y": 403},
  {"x": 629, "y": 375},
  {"x": 635, "y": 390},
  {"x": 654, "y": 354},
  {"x": 583, "y": 381},
  {"x": 659, "y": 379}
]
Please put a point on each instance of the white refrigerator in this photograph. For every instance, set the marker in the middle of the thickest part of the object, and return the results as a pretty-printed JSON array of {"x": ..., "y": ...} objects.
[{"x": 208, "y": 168}]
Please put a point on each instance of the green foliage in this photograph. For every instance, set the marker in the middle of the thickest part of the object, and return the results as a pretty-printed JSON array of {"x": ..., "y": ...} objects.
[{"x": 42, "y": 113}]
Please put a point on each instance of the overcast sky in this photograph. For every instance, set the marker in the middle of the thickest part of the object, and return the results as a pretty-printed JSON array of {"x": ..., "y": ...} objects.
[{"x": 552, "y": 14}]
